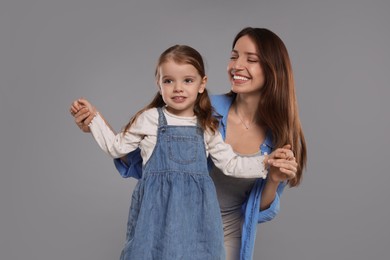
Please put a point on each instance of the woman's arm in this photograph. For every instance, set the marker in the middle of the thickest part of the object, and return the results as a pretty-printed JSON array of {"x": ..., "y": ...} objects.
[
  {"x": 282, "y": 169},
  {"x": 130, "y": 165}
]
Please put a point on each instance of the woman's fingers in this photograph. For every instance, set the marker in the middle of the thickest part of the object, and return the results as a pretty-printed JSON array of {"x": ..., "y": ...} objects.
[
  {"x": 288, "y": 173},
  {"x": 283, "y": 163},
  {"x": 81, "y": 115},
  {"x": 282, "y": 171}
]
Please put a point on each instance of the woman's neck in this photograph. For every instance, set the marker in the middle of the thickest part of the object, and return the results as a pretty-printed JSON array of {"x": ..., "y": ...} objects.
[{"x": 246, "y": 107}]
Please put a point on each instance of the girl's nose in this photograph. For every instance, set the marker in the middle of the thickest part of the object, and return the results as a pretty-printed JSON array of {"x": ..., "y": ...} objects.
[{"x": 177, "y": 88}]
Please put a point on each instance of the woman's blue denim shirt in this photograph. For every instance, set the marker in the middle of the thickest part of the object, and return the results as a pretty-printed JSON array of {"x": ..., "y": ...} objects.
[{"x": 251, "y": 208}]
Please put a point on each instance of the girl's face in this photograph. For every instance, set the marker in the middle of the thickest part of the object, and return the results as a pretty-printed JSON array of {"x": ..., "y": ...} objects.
[
  {"x": 244, "y": 69},
  {"x": 179, "y": 85}
]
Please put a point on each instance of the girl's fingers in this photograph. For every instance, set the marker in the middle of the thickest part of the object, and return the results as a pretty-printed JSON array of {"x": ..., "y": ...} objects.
[
  {"x": 76, "y": 104},
  {"x": 83, "y": 102},
  {"x": 283, "y": 153},
  {"x": 73, "y": 110},
  {"x": 88, "y": 120},
  {"x": 75, "y": 107}
]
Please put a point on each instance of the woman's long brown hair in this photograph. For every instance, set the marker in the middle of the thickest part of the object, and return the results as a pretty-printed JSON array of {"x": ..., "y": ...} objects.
[
  {"x": 278, "y": 107},
  {"x": 183, "y": 54}
]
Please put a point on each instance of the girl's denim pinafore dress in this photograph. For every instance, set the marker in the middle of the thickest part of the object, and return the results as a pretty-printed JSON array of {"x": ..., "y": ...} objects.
[{"x": 174, "y": 213}]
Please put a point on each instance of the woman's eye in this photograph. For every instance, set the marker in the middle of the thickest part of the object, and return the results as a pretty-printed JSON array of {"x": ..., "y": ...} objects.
[
  {"x": 233, "y": 57},
  {"x": 253, "y": 61}
]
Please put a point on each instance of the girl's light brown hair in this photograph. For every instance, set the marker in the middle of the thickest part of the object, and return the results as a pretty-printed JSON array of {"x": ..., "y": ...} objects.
[
  {"x": 183, "y": 54},
  {"x": 278, "y": 108}
]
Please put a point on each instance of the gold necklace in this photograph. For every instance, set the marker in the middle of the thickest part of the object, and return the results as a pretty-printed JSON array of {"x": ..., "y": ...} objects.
[{"x": 242, "y": 121}]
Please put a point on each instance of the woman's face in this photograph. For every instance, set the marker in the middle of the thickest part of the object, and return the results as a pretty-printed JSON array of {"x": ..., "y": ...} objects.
[{"x": 244, "y": 70}]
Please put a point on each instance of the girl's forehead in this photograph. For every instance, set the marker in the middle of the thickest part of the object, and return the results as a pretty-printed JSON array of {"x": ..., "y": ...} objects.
[{"x": 172, "y": 67}]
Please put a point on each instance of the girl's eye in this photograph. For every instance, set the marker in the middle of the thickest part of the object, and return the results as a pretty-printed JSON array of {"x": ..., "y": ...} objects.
[
  {"x": 188, "y": 80},
  {"x": 167, "y": 81},
  {"x": 233, "y": 57}
]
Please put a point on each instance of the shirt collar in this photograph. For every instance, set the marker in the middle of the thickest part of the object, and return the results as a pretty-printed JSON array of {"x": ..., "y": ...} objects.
[{"x": 222, "y": 116}]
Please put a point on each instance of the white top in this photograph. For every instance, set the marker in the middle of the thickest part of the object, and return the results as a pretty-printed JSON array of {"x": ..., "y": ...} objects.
[{"x": 143, "y": 134}]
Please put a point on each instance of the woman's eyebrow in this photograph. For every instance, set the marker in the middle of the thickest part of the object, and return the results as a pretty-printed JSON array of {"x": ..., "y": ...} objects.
[{"x": 247, "y": 53}]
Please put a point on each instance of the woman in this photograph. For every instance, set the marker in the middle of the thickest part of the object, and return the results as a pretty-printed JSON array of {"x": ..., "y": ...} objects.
[{"x": 259, "y": 112}]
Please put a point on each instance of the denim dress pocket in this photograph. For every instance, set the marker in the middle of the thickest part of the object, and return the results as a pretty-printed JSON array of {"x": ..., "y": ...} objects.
[{"x": 182, "y": 149}]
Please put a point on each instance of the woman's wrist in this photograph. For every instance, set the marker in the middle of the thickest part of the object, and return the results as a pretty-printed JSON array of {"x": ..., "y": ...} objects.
[
  {"x": 269, "y": 193},
  {"x": 272, "y": 181}
]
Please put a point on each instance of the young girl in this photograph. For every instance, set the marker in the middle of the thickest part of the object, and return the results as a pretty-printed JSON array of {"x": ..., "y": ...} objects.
[{"x": 173, "y": 213}]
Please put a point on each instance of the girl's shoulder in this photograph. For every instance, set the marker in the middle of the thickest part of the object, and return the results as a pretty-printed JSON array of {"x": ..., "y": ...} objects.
[
  {"x": 147, "y": 117},
  {"x": 150, "y": 112}
]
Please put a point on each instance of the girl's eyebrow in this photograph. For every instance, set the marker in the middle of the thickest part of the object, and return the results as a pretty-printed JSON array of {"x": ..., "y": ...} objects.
[{"x": 185, "y": 76}]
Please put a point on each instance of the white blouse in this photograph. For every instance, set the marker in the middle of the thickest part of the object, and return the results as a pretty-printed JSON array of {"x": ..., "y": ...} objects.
[{"x": 143, "y": 134}]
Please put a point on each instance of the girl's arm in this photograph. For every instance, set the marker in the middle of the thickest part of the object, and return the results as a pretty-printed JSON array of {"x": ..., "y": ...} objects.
[
  {"x": 115, "y": 145},
  {"x": 239, "y": 166},
  {"x": 91, "y": 112},
  {"x": 82, "y": 116}
]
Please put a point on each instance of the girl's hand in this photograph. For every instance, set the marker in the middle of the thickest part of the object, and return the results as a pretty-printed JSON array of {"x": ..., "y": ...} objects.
[
  {"x": 283, "y": 165},
  {"x": 83, "y": 112}
]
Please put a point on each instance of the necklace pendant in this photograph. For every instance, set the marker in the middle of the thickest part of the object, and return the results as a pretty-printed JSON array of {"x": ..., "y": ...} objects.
[{"x": 242, "y": 121}]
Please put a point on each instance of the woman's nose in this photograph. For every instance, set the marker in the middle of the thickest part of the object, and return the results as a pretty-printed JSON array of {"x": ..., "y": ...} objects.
[{"x": 237, "y": 65}]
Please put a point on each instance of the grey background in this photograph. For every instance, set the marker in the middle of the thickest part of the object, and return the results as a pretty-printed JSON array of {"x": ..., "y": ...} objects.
[{"x": 61, "y": 197}]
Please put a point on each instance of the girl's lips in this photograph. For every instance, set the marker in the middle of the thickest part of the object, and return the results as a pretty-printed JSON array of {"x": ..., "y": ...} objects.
[{"x": 178, "y": 99}]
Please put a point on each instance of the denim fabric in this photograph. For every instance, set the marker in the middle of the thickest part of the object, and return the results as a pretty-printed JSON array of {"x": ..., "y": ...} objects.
[
  {"x": 251, "y": 208},
  {"x": 173, "y": 213}
]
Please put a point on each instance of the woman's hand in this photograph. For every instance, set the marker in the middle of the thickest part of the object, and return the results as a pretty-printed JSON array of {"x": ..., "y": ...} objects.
[
  {"x": 283, "y": 165},
  {"x": 83, "y": 113}
]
